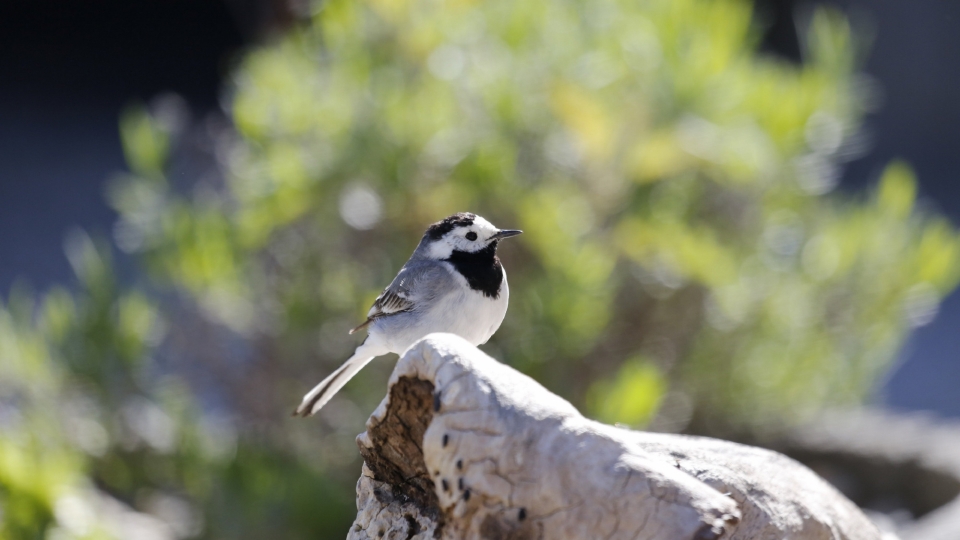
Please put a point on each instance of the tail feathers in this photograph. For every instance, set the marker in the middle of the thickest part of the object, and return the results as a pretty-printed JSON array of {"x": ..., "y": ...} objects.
[
  {"x": 362, "y": 326},
  {"x": 321, "y": 393}
]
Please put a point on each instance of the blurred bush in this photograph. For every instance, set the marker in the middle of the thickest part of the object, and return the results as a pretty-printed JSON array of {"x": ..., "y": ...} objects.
[{"x": 684, "y": 263}]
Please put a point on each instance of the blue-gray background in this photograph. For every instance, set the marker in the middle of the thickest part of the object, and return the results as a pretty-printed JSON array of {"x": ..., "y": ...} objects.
[{"x": 68, "y": 68}]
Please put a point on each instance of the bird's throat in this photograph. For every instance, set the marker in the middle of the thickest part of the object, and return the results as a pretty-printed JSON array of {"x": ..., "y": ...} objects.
[{"x": 481, "y": 269}]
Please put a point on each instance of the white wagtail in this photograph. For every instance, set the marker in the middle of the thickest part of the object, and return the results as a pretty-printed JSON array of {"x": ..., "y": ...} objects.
[{"x": 452, "y": 283}]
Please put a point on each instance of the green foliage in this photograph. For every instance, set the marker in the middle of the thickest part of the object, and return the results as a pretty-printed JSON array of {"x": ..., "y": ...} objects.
[
  {"x": 83, "y": 403},
  {"x": 681, "y": 247},
  {"x": 146, "y": 143},
  {"x": 65, "y": 362},
  {"x": 632, "y": 397},
  {"x": 670, "y": 182}
]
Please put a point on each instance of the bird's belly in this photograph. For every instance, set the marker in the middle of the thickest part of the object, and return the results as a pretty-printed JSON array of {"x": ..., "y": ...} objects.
[
  {"x": 470, "y": 315},
  {"x": 466, "y": 313}
]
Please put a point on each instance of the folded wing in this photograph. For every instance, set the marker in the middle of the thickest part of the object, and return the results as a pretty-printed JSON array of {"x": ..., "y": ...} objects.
[{"x": 418, "y": 283}]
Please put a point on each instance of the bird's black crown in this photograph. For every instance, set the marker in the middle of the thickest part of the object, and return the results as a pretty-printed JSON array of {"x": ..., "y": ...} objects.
[{"x": 445, "y": 225}]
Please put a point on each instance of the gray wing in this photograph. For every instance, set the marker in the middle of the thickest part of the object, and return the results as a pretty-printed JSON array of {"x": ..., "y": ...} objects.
[{"x": 417, "y": 284}]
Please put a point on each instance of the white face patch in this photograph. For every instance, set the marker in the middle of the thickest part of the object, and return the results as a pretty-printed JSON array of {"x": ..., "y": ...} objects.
[{"x": 457, "y": 239}]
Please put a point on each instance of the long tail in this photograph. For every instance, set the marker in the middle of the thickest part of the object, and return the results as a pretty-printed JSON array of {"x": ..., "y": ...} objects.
[{"x": 321, "y": 393}]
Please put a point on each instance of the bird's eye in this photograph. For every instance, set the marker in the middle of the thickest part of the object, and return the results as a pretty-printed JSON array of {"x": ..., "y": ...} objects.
[{"x": 471, "y": 236}]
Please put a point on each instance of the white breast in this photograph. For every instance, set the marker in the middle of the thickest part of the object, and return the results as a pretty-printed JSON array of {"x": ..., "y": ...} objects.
[{"x": 470, "y": 314}]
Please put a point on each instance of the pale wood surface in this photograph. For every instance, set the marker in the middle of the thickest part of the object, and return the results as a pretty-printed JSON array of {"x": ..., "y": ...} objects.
[{"x": 465, "y": 447}]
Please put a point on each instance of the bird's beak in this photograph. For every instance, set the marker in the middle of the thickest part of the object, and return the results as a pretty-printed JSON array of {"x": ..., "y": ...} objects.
[{"x": 505, "y": 233}]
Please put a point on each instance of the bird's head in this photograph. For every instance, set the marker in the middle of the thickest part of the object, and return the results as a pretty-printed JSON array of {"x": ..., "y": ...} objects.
[{"x": 464, "y": 232}]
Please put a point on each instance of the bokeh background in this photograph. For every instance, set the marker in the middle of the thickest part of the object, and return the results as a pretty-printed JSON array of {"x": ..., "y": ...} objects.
[{"x": 737, "y": 215}]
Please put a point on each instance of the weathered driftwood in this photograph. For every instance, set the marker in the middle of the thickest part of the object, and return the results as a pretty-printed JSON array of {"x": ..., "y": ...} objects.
[{"x": 465, "y": 447}]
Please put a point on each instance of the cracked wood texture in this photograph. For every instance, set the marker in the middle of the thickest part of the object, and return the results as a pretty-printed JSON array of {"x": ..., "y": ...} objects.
[{"x": 464, "y": 447}]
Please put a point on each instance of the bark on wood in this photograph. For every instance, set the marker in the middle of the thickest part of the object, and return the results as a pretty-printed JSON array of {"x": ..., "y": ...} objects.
[{"x": 465, "y": 447}]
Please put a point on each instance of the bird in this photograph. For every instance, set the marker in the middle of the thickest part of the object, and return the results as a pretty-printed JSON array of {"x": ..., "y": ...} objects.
[{"x": 453, "y": 282}]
